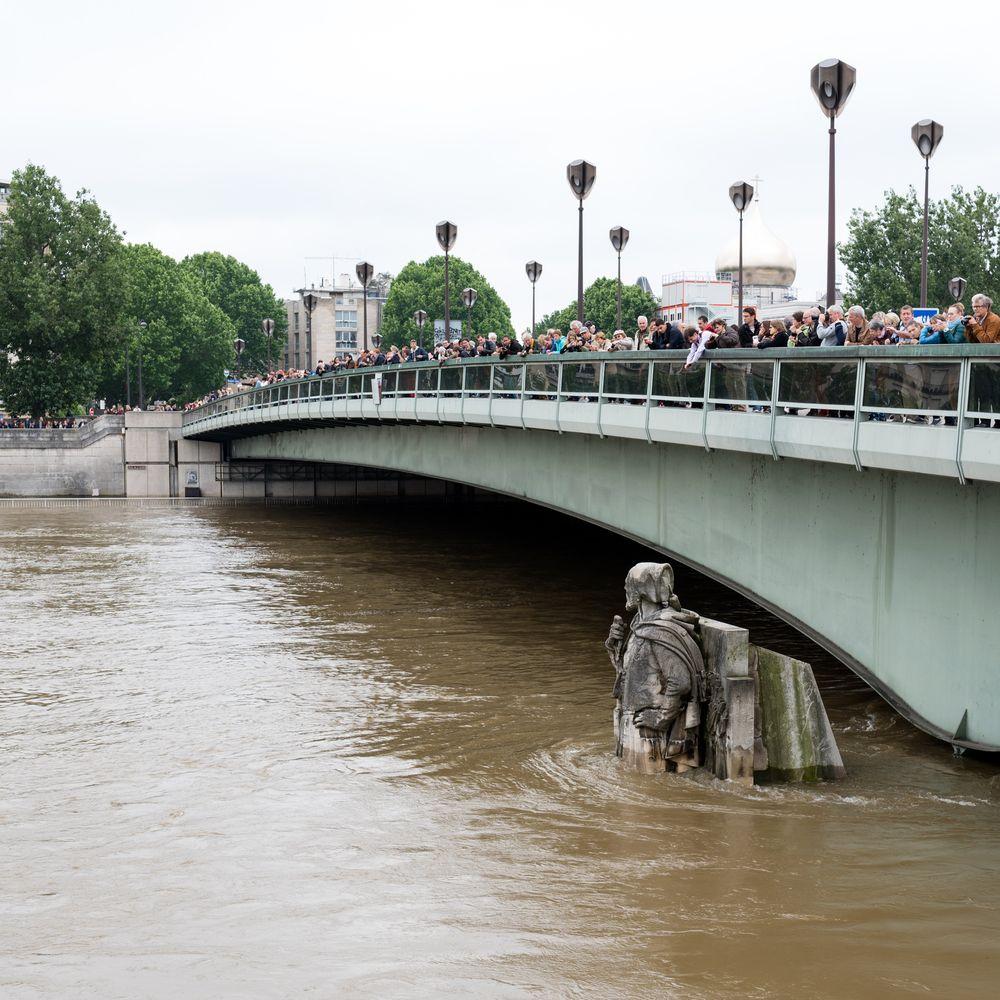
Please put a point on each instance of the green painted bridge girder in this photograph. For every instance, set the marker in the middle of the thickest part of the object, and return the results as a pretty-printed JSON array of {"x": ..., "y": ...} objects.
[{"x": 894, "y": 572}]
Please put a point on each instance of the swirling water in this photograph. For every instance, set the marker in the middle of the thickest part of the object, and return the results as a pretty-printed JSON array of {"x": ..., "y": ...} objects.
[{"x": 336, "y": 752}]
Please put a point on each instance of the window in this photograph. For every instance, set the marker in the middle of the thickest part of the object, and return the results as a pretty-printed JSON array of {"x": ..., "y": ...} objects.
[
  {"x": 347, "y": 319},
  {"x": 347, "y": 341},
  {"x": 296, "y": 319}
]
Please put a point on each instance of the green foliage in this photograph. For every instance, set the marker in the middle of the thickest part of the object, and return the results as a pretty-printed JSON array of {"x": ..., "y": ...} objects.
[
  {"x": 421, "y": 286},
  {"x": 188, "y": 341},
  {"x": 61, "y": 295},
  {"x": 599, "y": 301},
  {"x": 239, "y": 292},
  {"x": 882, "y": 254}
]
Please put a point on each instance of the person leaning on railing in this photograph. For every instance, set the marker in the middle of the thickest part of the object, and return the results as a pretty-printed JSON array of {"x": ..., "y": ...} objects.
[{"x": 984, "y": 325}]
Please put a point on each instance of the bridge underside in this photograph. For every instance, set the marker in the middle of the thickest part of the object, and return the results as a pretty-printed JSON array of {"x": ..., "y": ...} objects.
[{"x": 893, "y": 572}]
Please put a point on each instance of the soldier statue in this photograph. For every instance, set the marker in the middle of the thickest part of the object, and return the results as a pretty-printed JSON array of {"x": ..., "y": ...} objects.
[{"x": 659, "y": 674}]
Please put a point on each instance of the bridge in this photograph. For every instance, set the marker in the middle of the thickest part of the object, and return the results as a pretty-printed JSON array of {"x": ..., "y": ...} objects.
[{"x": 855, "y": 492}]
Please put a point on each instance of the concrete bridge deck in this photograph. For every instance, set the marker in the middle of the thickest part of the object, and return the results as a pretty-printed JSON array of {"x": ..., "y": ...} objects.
[{"x": 809, "y": 480}]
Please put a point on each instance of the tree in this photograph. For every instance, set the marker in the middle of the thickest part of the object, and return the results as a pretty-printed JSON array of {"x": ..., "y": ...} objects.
[
  {"x": 599, "y": 302},
  {"x": 187, "y": 342},
  {"x": 421, "y": 286},
  {"x": 61, "y": 295},
  {"x": 882, "y": 254},
  {"x": 239, "y": 292}
]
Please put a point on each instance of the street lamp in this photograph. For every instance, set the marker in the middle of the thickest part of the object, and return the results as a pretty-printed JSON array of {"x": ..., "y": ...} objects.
[
  {"x": 240, "y": 345},
  {"x": 267, "y": 325},
  {"x": 957, "y": 288},
  {"x": 534, "y": 272},
  {"x": 832, "y": 82},
  {"x": 580, "y": 175},
  {"x": 420, "y": 317},
  {"x": 142, "y": 328},
  {"x": 469, "y": 296},
  {"x": 365, "y": 272},
  {"x": 446, "y": 234},
  {"x": 741, "y": 194},
  {"x": 926, "y": 136},
  {"x": 619, "y": 238},
  {"x": 309, "y": 301}
]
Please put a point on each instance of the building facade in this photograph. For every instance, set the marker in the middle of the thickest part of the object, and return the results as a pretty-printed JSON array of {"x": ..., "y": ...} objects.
[
  {"x": 4, "y": 193},
  {"x": 336, "y": 326}
]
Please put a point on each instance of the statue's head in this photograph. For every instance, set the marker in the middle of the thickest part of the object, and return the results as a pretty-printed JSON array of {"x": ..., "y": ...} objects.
[{"x": 652, "y": 583}]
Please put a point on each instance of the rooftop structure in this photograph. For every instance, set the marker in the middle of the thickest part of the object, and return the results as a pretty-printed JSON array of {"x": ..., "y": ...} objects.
[{"x": 337, "y": 324}]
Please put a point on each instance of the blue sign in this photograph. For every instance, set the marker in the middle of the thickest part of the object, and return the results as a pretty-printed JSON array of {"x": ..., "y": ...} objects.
[{"x": 923, "y": 315}]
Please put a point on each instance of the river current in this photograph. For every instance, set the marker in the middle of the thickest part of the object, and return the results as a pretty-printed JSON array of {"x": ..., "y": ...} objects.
[{"x": 366, "y": 752}]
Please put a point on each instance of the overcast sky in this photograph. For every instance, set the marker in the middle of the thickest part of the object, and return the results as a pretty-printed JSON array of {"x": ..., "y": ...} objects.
[{"x": 279, "y": 132}]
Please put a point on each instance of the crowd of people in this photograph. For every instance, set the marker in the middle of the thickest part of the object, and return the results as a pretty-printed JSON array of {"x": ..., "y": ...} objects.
[{"x": 815, "y": 327}]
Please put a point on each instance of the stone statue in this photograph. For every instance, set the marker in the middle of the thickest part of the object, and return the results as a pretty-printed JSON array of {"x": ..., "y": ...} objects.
[{"x": 660, "y": 673}]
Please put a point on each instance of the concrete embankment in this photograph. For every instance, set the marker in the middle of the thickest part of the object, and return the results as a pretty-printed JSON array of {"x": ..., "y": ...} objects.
[{"x": 135, "y": 455}]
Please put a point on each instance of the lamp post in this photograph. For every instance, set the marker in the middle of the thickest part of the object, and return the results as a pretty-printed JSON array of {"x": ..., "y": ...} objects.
[
  {"x": 420, "y": 317},
  {"x": 741, "y": 194},
  {"x": 957, "y": 288},
  {"x": 240, "y": 345},
  {"x": 267, "y": 325},
  {"x": 619, "y": 238},
  {"x": 142, "y": 328},
  {"x": 446, "y": 234},
  {"x": 832, "y": 82},
  {"x": 580, "y": 175},
  {"x": 926, "y": 135},
  {"x": 469, "y": 296},
  {"x": 365, "y": 272},
  {"x": 534, "y": 272},
  {"x": 309, "y": 301}
]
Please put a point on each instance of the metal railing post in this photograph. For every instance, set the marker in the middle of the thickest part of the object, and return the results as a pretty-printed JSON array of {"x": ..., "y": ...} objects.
[
  {"x": 859, "y": 395},
  {"x": 524, "y": 393},
  {"x": 649, "y": 401},
  {"x": 965, "y": 377},
  {"x": 775, "y": 382},
  {"x": 704, "y": 405},
  {"x": 602, "y": 365},
  {"x": 559, "y": 373}
]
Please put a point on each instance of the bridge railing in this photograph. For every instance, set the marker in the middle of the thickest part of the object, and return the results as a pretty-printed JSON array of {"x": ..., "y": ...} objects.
[{"x": 954, "y": 387}]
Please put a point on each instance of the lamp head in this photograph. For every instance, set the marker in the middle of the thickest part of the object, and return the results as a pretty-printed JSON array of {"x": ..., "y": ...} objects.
[
  {"x": 364, "y": 271},
  {"x": 534, "y": 270},
  {"x": 581, "y": 175},
  {"x": 832, "y": 82},
  {"x": 446, "y": 235},
  {"x": 619, "y": 238},
  {"x": 741, "y": 194},
  {"x": 469, "y": 296},
  {"x": 957, "y": 288},
  {"x": 926, "y": 135}
]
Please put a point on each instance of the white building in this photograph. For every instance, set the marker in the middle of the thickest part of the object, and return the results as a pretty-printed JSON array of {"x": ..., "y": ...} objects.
[{"x": 4, "y": 193}]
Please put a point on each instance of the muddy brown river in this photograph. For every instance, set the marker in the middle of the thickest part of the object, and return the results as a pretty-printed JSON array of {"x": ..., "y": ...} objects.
[{"x": 270, "y": 752}]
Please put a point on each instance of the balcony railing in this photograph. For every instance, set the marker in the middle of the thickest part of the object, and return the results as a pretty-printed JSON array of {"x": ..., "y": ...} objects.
[{"x": 732, "y": 394}]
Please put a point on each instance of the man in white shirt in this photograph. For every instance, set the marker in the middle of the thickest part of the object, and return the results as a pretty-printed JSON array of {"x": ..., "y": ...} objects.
[{"x": 697, "y": 340}]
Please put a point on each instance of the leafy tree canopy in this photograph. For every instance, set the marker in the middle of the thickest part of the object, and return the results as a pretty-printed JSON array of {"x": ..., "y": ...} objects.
[
  {"x": 61, "y": 295},
  {"x": 239, "y": 292},
  {"x": 599, "y": 303},
  {"x": 882, "y": 253},
  {"x": 187, "y": 342},
  {"x": 421, "y": 286}
]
